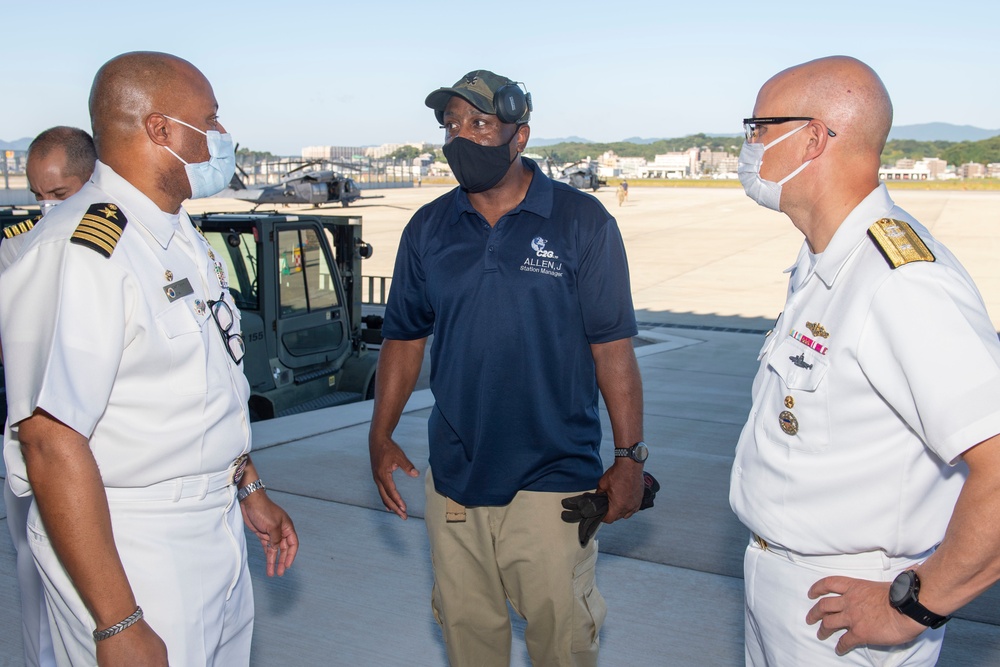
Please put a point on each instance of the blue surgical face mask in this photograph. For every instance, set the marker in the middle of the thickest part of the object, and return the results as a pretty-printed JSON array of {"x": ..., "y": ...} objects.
[
  {"x": 765, "y": 193},
  {"x": 212, "y": 177}
]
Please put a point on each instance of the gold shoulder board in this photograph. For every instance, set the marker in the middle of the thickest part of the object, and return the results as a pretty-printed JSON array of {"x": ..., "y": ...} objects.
[
  {"x": 898, "y": 243},
  {"x": 101, "y": 228},
  {"x": 20, "y": 227}
]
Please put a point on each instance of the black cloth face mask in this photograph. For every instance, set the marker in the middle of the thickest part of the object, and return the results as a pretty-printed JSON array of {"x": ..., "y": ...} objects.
[{"x": 477, "y": 168}]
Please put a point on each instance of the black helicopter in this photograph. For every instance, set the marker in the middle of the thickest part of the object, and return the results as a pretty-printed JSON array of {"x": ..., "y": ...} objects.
[{"x": 303, "y": 185}]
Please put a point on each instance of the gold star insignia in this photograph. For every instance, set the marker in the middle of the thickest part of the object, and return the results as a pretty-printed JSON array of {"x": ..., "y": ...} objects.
[{"x": 110, "y": 211}]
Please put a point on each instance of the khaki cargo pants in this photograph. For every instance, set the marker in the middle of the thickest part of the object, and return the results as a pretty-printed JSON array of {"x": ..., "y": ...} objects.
[{"x": 522, "y": 552}]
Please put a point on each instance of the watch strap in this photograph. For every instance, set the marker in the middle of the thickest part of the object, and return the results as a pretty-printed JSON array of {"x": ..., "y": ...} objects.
[
  {"x": 630, "y": 452},
  {"x": 922, "y": 614},
  {"x": 242, "y": 494}
]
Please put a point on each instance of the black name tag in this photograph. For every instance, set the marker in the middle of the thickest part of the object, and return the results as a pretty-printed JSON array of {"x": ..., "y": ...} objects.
[{"x": 179, "y": 289}]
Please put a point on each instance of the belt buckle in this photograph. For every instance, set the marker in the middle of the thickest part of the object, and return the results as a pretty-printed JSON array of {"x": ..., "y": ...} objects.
[
  {"x": 239, "y": 466},
  {"x": 760, "y": 541}
]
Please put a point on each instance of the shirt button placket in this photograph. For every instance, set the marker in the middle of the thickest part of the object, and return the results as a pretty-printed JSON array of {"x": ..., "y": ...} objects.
[{"x": 492, "y": 249}]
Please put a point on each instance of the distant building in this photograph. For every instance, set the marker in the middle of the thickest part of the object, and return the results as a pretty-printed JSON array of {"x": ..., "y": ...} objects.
[
  {"x": 608, "y": 159},
  {"x": 331, "y": 152},
  {"x": 972, "y": 170},
  {"x": 993, "y": 170},
  {"x": 913, "y": 173},
  {"x": 672, "y": 165},
  {"x": 422, "y": 163},
  {"x": 629, "y": 167},
  {"x": 14, "y": 161},
  {"x": 936, "y": 167},
  {"x": 389, "y": 149},
  {"x": 727, "y": 167}
]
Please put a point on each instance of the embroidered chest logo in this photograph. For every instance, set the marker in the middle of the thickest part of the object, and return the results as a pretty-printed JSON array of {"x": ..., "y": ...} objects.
[
  {"x": 544, "y": 261},
  {"x": 538, "y": 245}
]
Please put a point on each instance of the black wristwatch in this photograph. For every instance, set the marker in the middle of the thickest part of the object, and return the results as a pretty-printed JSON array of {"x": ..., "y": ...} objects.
[
  {"x": 638, "y": 452},
  {"x": 903, "y": 597}
]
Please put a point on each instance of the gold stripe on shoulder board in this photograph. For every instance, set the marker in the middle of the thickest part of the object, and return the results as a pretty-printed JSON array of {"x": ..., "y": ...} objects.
[
  {"x": 20, "y": 227},
  {"x": 101, "y": 228},
  {"x": 898, "y": 243}
]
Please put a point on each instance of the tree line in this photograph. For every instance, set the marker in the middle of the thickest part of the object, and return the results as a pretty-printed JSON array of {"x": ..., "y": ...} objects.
[{"x": 956, "y": 153}]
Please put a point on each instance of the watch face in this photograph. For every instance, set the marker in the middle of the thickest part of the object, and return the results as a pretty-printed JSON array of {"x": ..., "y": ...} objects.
[
  {"x": 640, "y": 452},
  {"x": 901, "y": 587}
]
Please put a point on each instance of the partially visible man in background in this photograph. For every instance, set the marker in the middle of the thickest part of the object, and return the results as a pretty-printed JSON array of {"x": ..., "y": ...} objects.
[{"x": 60, "y": 160}]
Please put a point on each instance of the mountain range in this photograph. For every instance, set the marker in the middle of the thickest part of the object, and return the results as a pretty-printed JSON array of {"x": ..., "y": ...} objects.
[
  {"x": 18, "y": 145},
  {"x": 919, "y": 132}
]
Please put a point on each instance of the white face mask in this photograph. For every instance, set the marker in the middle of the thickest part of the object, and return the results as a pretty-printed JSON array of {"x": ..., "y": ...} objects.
[
  {"x": 212, "y": 177},
  {"x": 765, "y": 193},
  {"x": 48, "y": 204}
]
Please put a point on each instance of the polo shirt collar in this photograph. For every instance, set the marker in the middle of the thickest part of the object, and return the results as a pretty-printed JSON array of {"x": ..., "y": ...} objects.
[
  {"x": 537, "y": 200},
  {"x": 845, "y": 240},
  {"x": 139, "y": 208}
]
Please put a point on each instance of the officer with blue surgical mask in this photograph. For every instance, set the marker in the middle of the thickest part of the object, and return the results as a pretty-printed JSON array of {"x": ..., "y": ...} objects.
[{"x": 127, "y": 407}]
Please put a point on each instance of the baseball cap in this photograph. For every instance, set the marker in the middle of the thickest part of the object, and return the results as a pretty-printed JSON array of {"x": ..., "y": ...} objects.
[{"x": 478, "y": 88}]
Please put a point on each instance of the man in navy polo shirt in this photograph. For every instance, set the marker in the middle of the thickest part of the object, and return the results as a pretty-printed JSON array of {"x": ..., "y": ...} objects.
[{"x": 524, "y": 284}]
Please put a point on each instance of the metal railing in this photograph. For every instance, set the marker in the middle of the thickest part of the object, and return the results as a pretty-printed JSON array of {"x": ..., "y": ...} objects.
[{"x": 375, "y": 290}]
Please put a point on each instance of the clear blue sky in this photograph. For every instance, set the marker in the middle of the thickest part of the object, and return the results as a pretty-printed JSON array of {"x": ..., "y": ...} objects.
[{"x": 294, "y": 73}]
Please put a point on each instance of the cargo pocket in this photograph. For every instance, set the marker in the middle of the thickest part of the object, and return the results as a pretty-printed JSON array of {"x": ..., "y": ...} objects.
[
  {"x": 590, "y": 609},
  {"x": 436, "y": 609}
]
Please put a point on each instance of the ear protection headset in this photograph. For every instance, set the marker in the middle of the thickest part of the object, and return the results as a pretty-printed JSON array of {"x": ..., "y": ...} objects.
[{"x": 511, "y": 103}]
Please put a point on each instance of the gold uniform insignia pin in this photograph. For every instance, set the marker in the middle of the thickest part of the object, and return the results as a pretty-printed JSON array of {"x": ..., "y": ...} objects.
[
  {"x": 817, "y": 330},
  {"x": 789, "y": 424},
  {"x": 789, "y": 402}
]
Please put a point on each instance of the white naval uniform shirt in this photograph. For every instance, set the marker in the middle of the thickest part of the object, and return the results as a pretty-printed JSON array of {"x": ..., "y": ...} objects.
[
  {"x": 907, "y": 380},
  {"x": 11, "y": 248},
  {"x": 97, "y": 343}
]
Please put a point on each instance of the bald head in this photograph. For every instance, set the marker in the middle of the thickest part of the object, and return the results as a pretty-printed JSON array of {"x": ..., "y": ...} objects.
[
  {"x": 844, "y": 93},
  {"x": 150, "y": 113},
  {"x": 131, "y": 86}
]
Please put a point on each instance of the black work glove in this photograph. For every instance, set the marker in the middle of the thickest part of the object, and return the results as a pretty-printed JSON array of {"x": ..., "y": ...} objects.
[{"x": 589, "y": 509}]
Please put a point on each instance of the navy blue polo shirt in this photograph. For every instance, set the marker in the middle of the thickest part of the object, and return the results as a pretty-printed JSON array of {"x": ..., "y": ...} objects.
[{"x": 514, "y": 309}]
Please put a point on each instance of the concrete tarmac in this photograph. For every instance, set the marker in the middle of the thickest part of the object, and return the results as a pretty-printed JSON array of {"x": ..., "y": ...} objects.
[{"x": 706, "y": 273}]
